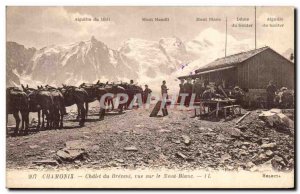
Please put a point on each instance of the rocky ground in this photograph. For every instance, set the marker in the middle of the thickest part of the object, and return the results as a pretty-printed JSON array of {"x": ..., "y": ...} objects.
[{"x": 135, "y": 140}]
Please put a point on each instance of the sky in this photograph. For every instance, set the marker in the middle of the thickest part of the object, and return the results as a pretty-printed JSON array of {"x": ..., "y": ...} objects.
[{"x": 42, "y": 26}]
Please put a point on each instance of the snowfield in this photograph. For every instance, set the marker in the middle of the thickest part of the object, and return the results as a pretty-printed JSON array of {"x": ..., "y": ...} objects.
[{"x": 145, "y": 61}]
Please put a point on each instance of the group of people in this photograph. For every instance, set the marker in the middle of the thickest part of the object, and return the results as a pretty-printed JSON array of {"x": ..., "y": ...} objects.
[
  {"x": 200, "y": 88},
  {"x": 203, "y": 90}
]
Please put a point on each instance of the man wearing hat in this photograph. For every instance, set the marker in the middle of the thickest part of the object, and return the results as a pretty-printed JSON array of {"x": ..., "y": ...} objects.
[
  {"x": 271, "y": 89},
  {"x": 181, "y": 90},
  {"x": 146, "y": 93},
  {"x": 164, "y": 93},
  {"x": 238, "y": 94}
]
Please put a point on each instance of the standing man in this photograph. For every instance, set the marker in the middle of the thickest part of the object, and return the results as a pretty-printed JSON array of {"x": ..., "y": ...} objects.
[
  {"x": 181, "y": 90},
  {"x": 146, "y": 93},
  {"x": 164, "y": 89},
  {"x": 164, "y": 93},
  {"x": 271, "y": 89},
  {"x": 206, "y": 83},
  {"x": 188, "y": 89},
  {"x": 130, "y": 93},
  {"x": 198, "y": 89}
]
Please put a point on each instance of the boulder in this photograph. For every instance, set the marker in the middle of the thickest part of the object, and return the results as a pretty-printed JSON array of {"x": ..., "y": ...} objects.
[
  {"x": 234, "y": 132},
  {"x": 119, "y": 160},
  {"x": 225, "y": 157},
  {"x": 131, "y": 148},
  {"x": 186, "y": 139},
  {"x": 278, "y": 163},
  {"x": 268, "y": 146},
  {"x": 261, "y": 158},
  {"x": 46, "y": 162},
  {"x": 275, "y": 118},
  {"x": 250, "y": 164},
  {"x": 176, "y": 141},
  {"x": 71, "y": 155},
  {"x": 243, "y": 152},
  {"x": 269, "y": 153},
  {"x": 33, "y": 146},
  {"x": 275, "y": 110}
]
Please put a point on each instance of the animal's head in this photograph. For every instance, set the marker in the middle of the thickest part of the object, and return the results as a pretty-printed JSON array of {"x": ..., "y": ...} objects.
[
  {"x": 27, "y": 89},
  {"x": 82, "y": 85},
  {"x": 47, "y": 87}
]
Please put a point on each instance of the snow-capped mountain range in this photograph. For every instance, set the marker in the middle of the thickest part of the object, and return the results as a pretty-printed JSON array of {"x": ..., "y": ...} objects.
[{"x": 144, "y": 61}]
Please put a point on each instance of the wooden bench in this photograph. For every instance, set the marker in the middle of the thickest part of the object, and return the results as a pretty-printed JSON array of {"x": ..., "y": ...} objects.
[{"x": 202, "y": 110}]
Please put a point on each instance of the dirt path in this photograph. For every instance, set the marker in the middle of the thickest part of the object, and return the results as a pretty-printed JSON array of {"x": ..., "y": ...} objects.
[{"x": 174, "y": 141}]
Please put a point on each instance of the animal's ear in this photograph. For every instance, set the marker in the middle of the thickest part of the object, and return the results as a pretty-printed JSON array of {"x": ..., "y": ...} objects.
[
  {"x": 23, "y": 86},
  {"x": 98, "y": 81},
  {"x": 27, "y": 86}
]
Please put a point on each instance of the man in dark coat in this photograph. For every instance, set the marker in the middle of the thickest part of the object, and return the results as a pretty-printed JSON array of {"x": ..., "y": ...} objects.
[
  {"x": 208, "y": 94},
  {"x": 146, "y": 93},
  {"x": 206, "y": 83},
  {"x": 271, "y": 89},
  {"x": 130, "y": 93},
  {"x": 188, "y": 89},
  {"x": 164, "y": 93},
  {"x": 198, "y": 89},
  {"x": 238, "y": 94},
  {"x": 181, "y": 90}
]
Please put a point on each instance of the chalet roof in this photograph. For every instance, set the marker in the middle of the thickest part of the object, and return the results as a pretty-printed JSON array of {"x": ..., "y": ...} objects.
[{"x": 231, "y": 59}]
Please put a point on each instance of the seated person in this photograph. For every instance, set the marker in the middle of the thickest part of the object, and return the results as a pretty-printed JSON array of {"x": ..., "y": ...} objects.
[
  {"x": 209, "y": 94},
  {"x": 238, "y": 94}
]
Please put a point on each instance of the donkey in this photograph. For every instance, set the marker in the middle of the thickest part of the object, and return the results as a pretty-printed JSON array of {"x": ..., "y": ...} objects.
[
  {"x": 74, "y": 95},
  {"x": 95, "y": 92},
  {"x": 41, "y": 101},
  {"x": 131, "y": 90},
  {"x": 59, "y": 106},
  {"x": 113, "y": 89},
  {"x": 17, "y": 101}
]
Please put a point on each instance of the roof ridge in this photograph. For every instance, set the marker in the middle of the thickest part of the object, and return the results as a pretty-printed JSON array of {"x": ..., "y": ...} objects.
[
  {"x": 233, "y": 59},
  {"x": 261, "y": 48}
]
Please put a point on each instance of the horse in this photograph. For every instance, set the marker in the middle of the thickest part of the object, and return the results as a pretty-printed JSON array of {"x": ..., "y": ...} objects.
[
  {"x": 74, "y": 95},
  {"x": 17, "y": 101},
  {"x": 41, "y": 100}
]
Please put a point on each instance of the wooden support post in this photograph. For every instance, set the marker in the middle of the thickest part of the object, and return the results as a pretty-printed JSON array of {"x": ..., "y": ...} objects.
[
  {"x": 242, "y": 117},
  {"x": 217, "y": 109}
]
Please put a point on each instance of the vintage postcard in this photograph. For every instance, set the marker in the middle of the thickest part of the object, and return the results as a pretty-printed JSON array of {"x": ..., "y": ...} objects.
[{"x": 150, "y": 97}]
